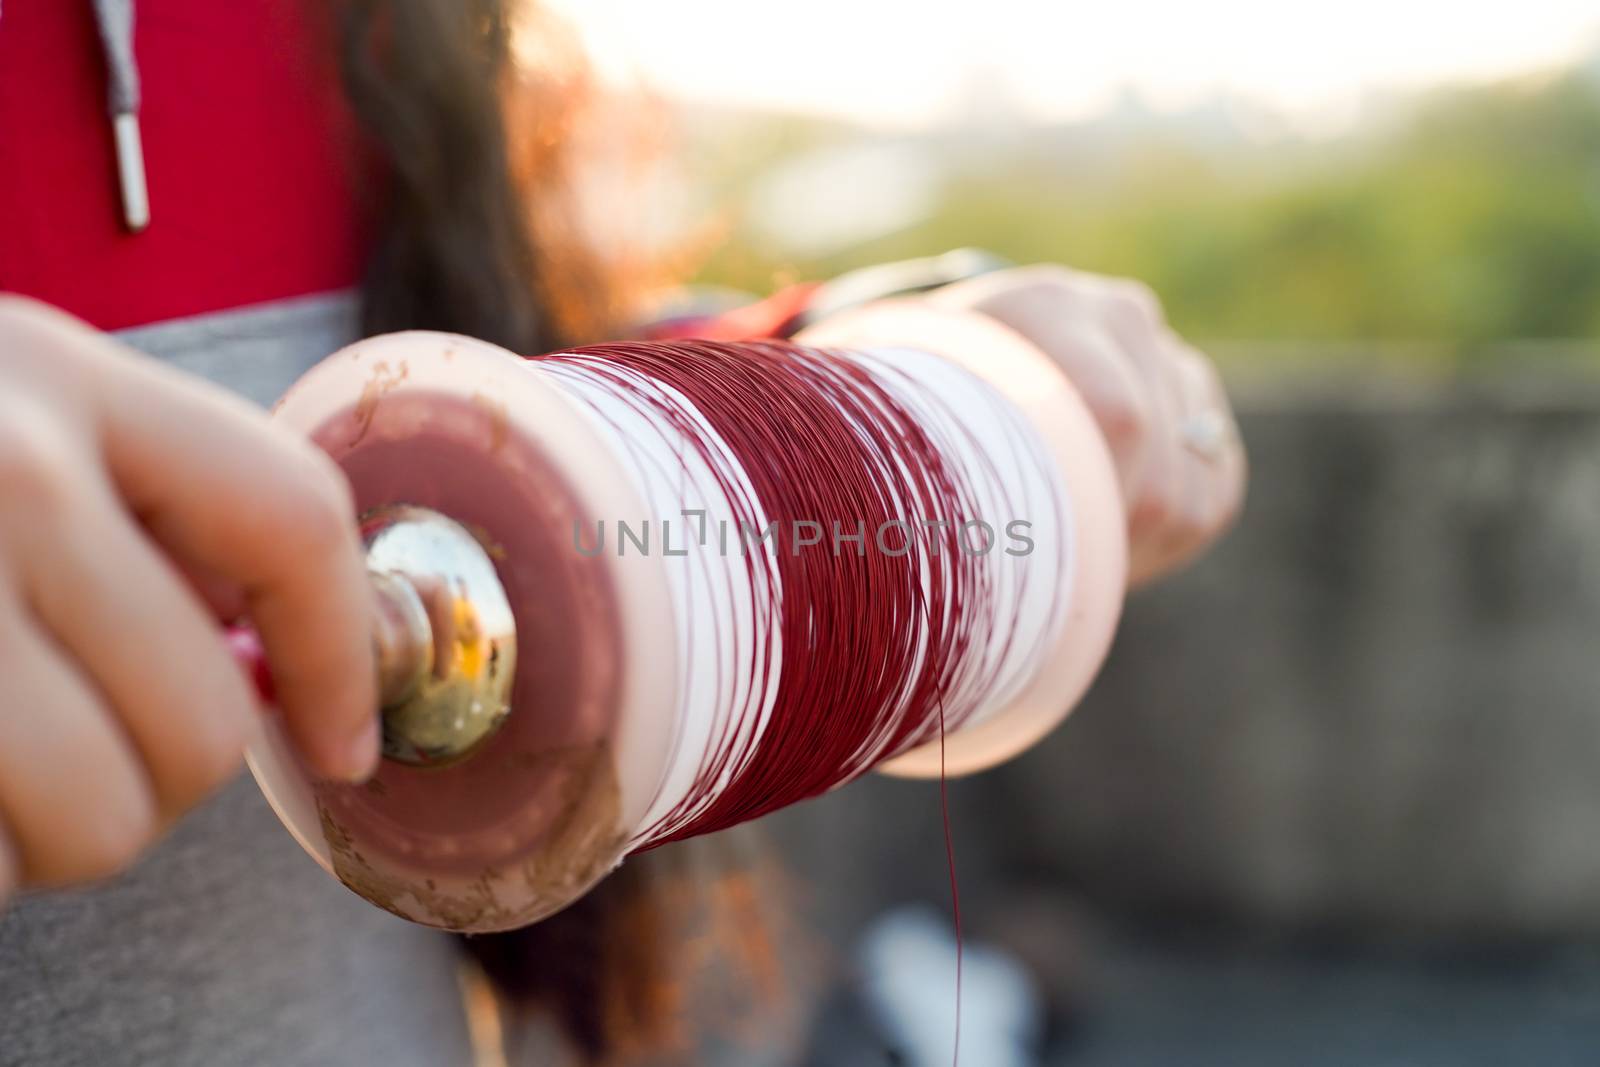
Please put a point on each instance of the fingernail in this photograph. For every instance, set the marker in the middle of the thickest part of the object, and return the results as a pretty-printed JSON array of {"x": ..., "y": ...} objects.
[{"x": 361, "y": 758}]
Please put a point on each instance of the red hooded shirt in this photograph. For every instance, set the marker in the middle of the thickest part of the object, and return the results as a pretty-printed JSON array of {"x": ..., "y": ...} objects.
[{"x": 249, "y": 155}]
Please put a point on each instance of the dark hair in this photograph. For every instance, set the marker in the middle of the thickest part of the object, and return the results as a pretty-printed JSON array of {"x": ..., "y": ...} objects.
[{"x": 451, "y": 250}]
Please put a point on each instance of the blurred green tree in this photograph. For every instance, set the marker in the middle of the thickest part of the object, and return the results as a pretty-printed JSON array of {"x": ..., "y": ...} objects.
[{"x": 1471, "y": 221}]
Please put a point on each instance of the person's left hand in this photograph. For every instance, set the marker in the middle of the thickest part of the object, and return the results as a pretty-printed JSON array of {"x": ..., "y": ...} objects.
[{"x": 1158, "y": 401}]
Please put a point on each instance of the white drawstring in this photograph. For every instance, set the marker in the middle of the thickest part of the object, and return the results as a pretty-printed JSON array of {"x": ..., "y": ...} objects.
[{"x": 115, "y": 19}]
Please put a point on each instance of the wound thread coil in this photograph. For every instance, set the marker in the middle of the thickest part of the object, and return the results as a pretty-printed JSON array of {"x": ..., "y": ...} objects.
[{"x": 669, "y": 693}]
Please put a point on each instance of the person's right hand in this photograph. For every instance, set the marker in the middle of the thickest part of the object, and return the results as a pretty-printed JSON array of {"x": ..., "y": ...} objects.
[
  {"x": 137, "y": 506},
  {"x": 1158, "y": 401}
]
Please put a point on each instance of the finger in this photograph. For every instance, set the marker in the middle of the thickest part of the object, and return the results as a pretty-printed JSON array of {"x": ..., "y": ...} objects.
[
  {"x": 1207, "y": 465},
  {"x": 1220, "y": 450},
  {"x": 305, "y": 589},
  {"x": 72, "y": 792},
  {"x": 1195, "y": 510},
  {"x": 1232, "y": 462},
  {"x": 1157, "y": 499},
  {"x": 1132, "y": 315},
  {"x": 1150, "y": 520},
  {"x": 1172, "y": 521},
  {"x": 249, "y": 501},
  {"x": 150, "y": 646},
  {"x": 217, "y": 484}
]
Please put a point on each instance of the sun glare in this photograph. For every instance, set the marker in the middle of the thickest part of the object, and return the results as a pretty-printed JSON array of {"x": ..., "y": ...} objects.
[{"x": 899, "y": 63}]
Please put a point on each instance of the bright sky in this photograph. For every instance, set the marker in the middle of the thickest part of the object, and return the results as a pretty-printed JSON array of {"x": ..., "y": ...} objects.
[{"x": 901, "y": 62}]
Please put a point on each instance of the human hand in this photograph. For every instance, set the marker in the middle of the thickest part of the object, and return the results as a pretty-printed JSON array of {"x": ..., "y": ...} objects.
[{"x": 138, "y": 506}]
